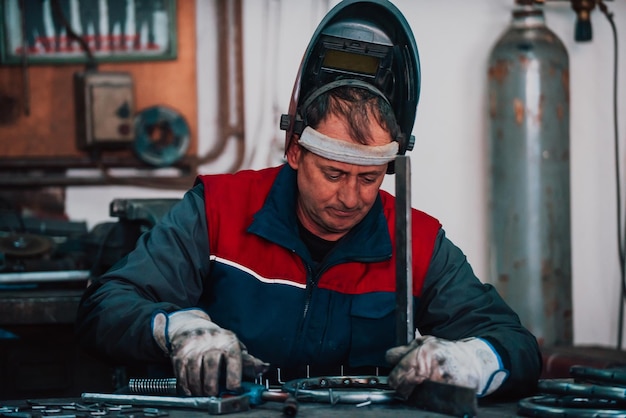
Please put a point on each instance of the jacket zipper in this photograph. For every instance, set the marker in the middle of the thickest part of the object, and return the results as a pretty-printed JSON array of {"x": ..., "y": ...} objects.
[{"x": 310, "y": 283}]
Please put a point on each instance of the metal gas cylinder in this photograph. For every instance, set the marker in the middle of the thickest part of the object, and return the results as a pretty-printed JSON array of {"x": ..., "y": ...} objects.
[{"x": 528, "y": 82}]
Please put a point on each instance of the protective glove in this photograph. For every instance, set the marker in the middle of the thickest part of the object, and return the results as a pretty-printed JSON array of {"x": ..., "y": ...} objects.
[
  {"x": 200, "y": 350},
  {"x": 471, "y": 362}
]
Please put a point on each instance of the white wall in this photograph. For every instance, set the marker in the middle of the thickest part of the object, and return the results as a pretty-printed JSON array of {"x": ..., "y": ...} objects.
[{"x": 449, "y": 162}]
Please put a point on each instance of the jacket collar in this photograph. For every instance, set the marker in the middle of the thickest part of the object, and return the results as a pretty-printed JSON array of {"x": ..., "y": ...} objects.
[{"x": 276, "y": 221}]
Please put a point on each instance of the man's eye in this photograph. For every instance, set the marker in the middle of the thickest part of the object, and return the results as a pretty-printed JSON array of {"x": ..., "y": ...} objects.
[{"x": 368, "y": 180}]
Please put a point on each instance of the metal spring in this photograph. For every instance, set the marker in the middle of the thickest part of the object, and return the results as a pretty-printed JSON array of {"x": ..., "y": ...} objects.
[{"x": 153, "y": 386}]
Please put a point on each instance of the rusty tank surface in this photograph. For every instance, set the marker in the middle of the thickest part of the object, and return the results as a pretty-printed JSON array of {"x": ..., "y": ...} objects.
[{"x": 528, "y": 127}]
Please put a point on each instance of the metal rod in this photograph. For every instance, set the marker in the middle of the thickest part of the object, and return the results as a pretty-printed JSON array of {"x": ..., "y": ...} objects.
[
  {"x": 405, "y": 330},
  {"x": 196, "y": 402},
  {"x": 45, "y": 276},
  {"x": 182, "y": 181},
  {"x": 65, "y": 162}
]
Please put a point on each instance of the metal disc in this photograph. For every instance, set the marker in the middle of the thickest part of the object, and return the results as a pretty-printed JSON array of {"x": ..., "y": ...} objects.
[
  {"x": 25, "y": 245},
  {"x": 161, "y": 136},
  {"x": 341, "y": 389}
]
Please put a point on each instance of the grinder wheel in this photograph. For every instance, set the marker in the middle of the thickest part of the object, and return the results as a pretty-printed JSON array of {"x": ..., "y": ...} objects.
[{"x": 25, "y": 245}]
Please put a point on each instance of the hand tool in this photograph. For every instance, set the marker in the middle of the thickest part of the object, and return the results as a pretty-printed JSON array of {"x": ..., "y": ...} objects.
[
  {"x": 433, "y": 396},
  {"x": 212, "y": 404},
  {"x": 259, "y": 394},
  {"x": 164, "y": 394}
]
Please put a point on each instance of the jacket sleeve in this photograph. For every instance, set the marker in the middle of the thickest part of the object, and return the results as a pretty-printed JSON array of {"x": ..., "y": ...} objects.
[
  {"x": 169, "y": 262},
  {"x": 455, "y": 304}
]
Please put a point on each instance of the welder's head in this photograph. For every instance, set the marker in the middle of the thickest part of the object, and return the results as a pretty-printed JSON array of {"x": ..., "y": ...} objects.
[{"x": 364, "y": 44}]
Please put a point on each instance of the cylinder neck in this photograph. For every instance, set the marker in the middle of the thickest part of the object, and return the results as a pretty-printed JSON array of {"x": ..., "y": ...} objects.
[{"x": 526, "y": 16}]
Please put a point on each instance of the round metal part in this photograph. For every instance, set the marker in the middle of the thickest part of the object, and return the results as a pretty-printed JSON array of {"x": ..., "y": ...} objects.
[
  {"x": 548, "y": 406},
  {"x": 341, "y": 389},
  {"x": 25, "y": 245},
  {"x": 161, "y": 136}
]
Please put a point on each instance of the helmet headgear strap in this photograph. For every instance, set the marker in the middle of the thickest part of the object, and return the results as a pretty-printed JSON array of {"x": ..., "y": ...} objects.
[{"x": 300, "y": 123}]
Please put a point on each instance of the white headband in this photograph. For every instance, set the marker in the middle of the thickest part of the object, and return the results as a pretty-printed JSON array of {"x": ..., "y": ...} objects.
[{"x": 347, "y": 152}]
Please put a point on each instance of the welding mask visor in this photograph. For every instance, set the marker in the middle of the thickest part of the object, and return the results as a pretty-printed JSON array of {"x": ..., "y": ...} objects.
[{"x": 367, "y": 43}]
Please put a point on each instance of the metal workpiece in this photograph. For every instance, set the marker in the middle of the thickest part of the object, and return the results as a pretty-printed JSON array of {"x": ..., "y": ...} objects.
[
  {"x": 360, "y": 390},
  {"x": 363, "y": 391},
  {"x": 154, "y": 386},
  {"x": 212, "y": 404},
  {"x": 165, "y": 393},
  {"x": 405, "y": 330},
  {"x": 589, "y": 392},
  {"x": 72, "y": 409},
  {"x": 229, "y": 405},
  {"x": 529, "y": 180}
]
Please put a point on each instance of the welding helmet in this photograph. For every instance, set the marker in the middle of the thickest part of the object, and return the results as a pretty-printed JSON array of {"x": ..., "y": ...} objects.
[{"x": 367, "y": 44}]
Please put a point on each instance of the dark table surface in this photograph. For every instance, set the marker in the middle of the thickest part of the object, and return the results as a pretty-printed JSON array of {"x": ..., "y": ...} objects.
[{"x": 69, "y": 407}]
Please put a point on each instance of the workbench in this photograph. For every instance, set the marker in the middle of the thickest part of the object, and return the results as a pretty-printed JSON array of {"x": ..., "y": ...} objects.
[
  {"x": 39, "y": 356},
  {"x": 43, "y": 362},
  {"x": 268, "y": 410}
]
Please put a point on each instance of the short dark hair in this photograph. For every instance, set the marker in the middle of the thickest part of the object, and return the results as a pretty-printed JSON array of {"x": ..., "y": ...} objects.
[{"x": 356, "y": 106}]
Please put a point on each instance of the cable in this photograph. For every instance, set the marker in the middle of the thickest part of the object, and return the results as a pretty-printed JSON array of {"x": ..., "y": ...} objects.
[
  {"x": 58, "y": 13},
  {"x": 620, "y": 235}
]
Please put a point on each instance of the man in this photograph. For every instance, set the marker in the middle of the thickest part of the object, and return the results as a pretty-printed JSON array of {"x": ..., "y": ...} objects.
[{"x": 293, "y": 267}]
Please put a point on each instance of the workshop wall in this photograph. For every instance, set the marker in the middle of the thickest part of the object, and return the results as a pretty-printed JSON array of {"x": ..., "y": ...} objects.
[
  {"x": 50, "y": 129},
  {"x": 38, "y": 353}
]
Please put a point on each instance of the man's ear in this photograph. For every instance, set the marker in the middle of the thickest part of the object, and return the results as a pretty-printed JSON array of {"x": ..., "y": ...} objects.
[{"x": 293, "y": 153}]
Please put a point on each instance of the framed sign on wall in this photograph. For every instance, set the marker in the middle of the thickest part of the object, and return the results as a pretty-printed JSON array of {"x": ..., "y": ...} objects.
[{"x": 113, "y": 30}]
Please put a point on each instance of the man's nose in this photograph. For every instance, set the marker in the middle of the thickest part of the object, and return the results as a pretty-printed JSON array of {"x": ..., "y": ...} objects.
[{"x": 349, "y": 193}]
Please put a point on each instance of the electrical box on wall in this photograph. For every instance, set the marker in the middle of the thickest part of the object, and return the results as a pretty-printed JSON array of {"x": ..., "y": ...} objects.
[{"x": 104, "y": 109}]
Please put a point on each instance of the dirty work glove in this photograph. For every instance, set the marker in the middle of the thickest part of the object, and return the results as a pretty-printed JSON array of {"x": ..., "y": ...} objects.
[
  {"x": 200, "y": 350},
  {"x": 471, "y": 362}
]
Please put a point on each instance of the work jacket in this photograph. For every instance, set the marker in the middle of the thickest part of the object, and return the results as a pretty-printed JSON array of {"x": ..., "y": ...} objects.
[{"x": 231, "y": 247}]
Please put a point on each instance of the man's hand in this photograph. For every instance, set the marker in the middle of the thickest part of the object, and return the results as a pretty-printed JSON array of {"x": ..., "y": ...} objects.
[
  {"x": 470, "y": 362},
  {"x": 200, "y": 350}
]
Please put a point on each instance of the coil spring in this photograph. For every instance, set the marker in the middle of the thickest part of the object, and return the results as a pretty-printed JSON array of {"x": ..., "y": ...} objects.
[{"x": 153, "y": 386}]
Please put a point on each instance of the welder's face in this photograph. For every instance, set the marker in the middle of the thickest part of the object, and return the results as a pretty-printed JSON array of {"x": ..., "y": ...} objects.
[{"x": 335, "y": 196}]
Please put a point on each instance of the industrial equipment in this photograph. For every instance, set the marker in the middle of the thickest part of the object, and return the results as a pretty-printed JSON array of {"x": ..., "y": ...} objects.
[{"x": 529, "y": 179}]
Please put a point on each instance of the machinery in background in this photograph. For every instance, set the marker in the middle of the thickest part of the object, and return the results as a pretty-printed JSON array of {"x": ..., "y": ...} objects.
[
  {"x": 40, "y": 249},
  {"x": 50, "y": 253},
  {"x": 106, "y": 119},
  {"x": 45, "y": 265},
  {"x": 104, "y": 109}
]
